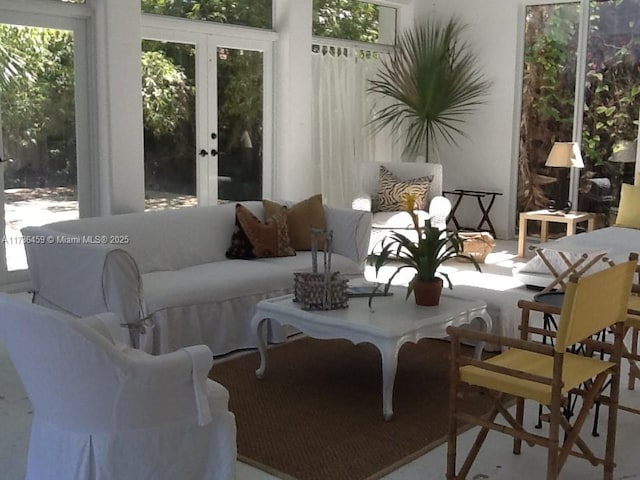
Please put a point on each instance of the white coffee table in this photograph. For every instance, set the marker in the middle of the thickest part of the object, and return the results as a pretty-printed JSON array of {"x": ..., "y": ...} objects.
[{"x": 390, "y": 323}]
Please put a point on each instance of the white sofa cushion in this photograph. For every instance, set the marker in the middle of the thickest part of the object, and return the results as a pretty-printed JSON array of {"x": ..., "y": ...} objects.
[
  {"x": 397, "y": 220},
  {"x": 617, "y": 242},
  {"x": 169, "y": 239},
  {"x": 228, "y": 279}
]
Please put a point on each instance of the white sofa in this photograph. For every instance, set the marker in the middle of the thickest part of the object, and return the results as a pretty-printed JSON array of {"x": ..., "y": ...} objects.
[
  {"x": 171, "y": 266},
  {"x": 616, "y": 242}
]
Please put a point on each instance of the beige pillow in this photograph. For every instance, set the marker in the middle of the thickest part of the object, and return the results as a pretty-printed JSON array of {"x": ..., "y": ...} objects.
[
  {"x": 268, "y": 239},
  {"x": 300, "y": 218},
  {"x": 629, "y": 208},
  {"x": 392, "y": 191}
]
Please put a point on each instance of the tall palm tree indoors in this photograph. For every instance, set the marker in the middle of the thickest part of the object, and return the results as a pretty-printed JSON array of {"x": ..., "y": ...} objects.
[{"x": 430, "y": 83}]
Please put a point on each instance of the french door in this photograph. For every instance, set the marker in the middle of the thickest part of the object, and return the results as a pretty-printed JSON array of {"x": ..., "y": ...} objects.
[
  {"x": 45, "y": 173},
  {"x": 213, "y": 144}
]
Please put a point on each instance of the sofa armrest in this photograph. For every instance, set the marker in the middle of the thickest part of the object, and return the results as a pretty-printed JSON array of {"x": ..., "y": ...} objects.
[
  {"x": 73, "y": 275},
  {"x": 181, "y": 374},
  {"x": 351, "y": 232},
  {"x": 109, "y": 326},
  {"x": 362, "y": 202}
]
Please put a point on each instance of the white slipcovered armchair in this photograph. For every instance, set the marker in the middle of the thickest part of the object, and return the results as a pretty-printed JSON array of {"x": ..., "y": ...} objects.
[
  {"x": 384, "y": 223},
  {"x": 104, "y": 411}
]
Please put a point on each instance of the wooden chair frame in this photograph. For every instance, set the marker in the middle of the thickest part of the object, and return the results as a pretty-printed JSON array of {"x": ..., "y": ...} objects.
[
  {"x": 576, "y": 267},
  {"x": 591, "y": 391},
  {"x": 631, "y": 325}
]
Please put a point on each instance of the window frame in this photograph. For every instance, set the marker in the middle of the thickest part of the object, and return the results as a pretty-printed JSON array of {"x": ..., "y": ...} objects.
[{"x": 75, "y": 18}]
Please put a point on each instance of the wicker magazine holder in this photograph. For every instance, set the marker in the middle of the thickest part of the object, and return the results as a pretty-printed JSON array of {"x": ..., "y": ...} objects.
[
  {"x": 476, "y": 244},
  {"x": 320, "y": 291}
]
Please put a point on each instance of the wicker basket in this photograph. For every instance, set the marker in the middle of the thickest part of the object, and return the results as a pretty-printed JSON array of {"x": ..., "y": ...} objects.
[
  {"x": 476, "y": 244},
  {"x": 314, "y": 292},
  {"x": 320, "y": 291}
]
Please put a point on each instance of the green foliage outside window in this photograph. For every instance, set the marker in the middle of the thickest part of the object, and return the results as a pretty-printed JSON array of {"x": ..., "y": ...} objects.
[
  {"x": 36, "y": 102},
  {"x": 346, "y": 19},
  {"x": 37, "y": 77},
  {"x": 250, "y": 13},
  {"x": 612, "y": 90}
]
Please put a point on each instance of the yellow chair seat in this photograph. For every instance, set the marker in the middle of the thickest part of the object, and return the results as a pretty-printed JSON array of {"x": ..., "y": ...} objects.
[{"x": 577, "y": 369}]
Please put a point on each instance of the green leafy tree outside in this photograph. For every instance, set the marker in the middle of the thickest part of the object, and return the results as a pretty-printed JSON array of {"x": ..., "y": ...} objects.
[
  {"x": 240, "y": 82},
  {"x": 346, "y": 19},
  {"x": 612, "y": 93},
  {"x": 36, "y": 105},
  {"x": 37, "y": 87}
]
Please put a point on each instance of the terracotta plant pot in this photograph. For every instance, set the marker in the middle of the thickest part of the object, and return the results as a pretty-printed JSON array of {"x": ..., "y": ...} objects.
[{"x": 427, "y": 294}]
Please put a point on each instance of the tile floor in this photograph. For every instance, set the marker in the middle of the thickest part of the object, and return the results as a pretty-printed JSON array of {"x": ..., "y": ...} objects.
[{"x": 495, "y": 462}]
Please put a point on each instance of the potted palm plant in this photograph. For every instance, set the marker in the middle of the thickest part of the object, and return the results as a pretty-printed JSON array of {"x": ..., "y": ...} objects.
[
  {"x": 433, "y": 248},
  {"x": 430, "y": 83}
]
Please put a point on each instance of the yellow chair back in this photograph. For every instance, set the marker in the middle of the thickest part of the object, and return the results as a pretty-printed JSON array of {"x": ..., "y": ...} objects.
[{"x": 594, "y": 303}]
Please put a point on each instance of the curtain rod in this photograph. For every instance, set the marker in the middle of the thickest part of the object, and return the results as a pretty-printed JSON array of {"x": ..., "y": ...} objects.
[{"x": 350, "y": 44}]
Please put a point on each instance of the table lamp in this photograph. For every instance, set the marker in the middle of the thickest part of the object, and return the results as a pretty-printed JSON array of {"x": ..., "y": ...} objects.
[
  {"x": 563, "y": 155},
  {"x": 622, "y": 161}
]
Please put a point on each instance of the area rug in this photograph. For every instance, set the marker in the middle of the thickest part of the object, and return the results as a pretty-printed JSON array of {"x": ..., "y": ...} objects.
[{"x": 317, "y": 414}]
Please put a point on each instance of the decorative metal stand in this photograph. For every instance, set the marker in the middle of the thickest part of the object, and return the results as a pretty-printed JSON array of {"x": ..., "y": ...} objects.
[{"x": 325, "y": 290}]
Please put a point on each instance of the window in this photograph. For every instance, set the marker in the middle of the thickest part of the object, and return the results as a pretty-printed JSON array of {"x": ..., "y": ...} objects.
[
  {"x": 605, "y": 120},
  {"x": 549, "y": 81},
  {"x": 248, "y": 13},
  {"x": 38, "y": 100},
  {"x": 354, "y": 20}
]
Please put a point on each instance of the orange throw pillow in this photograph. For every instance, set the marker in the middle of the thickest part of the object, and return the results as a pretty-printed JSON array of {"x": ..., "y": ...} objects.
[
  {"x": 268, "y": 239},
  {"x": 300, "y": 218}
]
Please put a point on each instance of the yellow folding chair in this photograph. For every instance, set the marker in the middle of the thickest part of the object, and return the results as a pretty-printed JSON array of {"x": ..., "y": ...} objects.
[
  {"x": 633, "y": 324},
  {"x": 548, "y": 374}
]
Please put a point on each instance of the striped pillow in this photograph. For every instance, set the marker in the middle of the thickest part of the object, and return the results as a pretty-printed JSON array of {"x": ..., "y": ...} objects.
[{"x": 392, "y": 190}]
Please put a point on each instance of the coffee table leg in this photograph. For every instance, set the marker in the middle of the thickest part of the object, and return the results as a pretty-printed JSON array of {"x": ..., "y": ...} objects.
[
  {"x": 389, "y": 353},
  {"x": 262, "y": 346}
]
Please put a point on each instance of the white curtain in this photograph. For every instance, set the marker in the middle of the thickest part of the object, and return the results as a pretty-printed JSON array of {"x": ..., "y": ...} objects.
[{"x": 341, "y": 139}]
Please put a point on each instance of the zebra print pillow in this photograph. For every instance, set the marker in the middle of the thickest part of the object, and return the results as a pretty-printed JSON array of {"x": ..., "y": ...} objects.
[{"x": 392, "y": 190}]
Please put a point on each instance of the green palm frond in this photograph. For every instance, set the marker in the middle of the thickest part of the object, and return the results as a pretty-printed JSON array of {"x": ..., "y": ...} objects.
[{"x": 431, "y": 82}]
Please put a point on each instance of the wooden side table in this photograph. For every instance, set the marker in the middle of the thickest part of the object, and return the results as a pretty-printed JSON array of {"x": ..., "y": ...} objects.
[{"x": 545, "y": 217}]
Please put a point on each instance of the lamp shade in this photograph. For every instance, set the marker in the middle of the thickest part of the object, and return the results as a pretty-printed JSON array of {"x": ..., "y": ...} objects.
[
  {"x": 624, "y": 152},
  {"x": 565, "y": 154}
]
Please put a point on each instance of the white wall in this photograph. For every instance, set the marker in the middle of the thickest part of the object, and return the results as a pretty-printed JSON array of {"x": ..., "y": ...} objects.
[
  {"x": 119, "y": 134},
  {"x": 487, "y": 159},
  {"x": 293, "y": 167}
]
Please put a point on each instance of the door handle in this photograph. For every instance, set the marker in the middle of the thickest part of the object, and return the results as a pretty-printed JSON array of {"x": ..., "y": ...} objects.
[
  {"x": 214, "y": 136},
  {"x": 214, "y": 152},
  {"x": 203, "y": 153}
]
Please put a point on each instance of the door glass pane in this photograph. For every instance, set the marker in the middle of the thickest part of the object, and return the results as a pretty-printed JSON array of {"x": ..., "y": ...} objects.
[
  {"x": 240, "y": 106},
  {"x": 168, "y": 92},
  {"x": 612, "y": 103},
  {"x": 354, "y": 20},
  {"x": 37, "y": 114},
  {"x": 249, "y": 13},
  {"x": 550, "y": 46}
]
